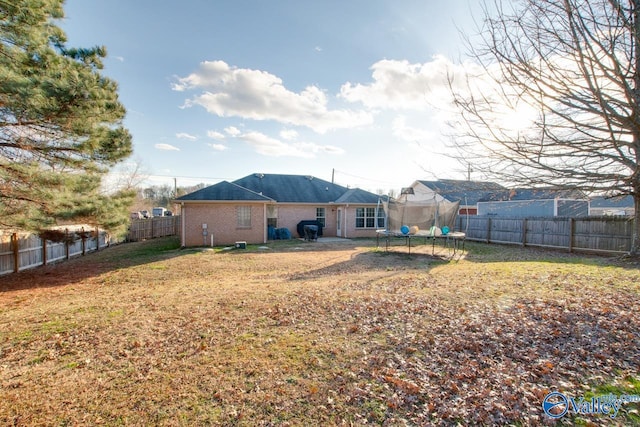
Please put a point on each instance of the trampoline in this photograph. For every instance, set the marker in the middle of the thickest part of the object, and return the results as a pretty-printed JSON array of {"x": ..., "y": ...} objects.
[{"x": 422, "y": 219}]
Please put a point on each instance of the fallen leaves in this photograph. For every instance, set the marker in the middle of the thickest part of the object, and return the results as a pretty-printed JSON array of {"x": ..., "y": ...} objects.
[{"x": 331, "y": 336}]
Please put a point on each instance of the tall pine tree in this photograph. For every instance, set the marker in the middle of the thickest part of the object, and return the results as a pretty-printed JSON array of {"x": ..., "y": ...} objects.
[{"x": 60, "y": 124}]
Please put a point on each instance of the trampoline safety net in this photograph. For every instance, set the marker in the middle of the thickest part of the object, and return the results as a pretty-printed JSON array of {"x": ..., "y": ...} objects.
[{"x": 423, "y": 214}]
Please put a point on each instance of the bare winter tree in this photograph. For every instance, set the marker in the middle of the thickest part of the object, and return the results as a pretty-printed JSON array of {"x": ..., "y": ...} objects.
[
  {"x": 556, "y": 101},
  {"x": 129, "y": 175}
]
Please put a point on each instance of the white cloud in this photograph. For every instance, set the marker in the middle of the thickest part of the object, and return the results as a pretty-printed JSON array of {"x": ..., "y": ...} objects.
[
  {"x": 411, "y": 134},
  {"x": 288, "y": 134},
  {"x": 401, "y": 85},
  {"x": 232, "y": 131},
  {"x": 253, "y": 94},
  {"x": 184, "y": 135},
  {"x": 332, "y": 149},
  {"x": 215, "y": 135},
  {"x": 268, "y": 146},
  {"x": 218, "y": 147},
  {"x": 166, "y": 147}
]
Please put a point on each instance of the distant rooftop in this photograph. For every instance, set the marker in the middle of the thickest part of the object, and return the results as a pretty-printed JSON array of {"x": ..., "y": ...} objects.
[
  {"x": 467, "y": 192},
  {"x": 533, "y": 194}
]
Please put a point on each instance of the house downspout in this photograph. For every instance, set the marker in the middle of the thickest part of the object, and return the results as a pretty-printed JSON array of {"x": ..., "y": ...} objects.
[
  {"x": 344, "y": 220},
  {"x": 183, "y": 225},
  {"x": 264, "y": 222}
]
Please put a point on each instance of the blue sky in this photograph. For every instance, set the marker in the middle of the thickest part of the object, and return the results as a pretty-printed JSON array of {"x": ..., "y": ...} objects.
[{"x": 216, "y": 90}]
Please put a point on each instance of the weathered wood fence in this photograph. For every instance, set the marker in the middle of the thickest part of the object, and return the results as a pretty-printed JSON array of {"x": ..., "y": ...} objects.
[
  {"x": 20, "y": 251},
  {"x": 594, "y": 234},
  {"x": 152, "y": 228}
]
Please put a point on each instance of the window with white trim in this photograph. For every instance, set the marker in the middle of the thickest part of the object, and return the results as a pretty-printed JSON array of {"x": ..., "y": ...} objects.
[
  {"x": 243, "y": 216},
  {"x": 366, "y": 218}
]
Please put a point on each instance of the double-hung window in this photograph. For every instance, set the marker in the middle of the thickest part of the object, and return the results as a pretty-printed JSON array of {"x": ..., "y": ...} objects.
[
  {"x": 243, "y": 216},
  {"x": 321, "y": 216},
  {"x": 366, "y": 218}
]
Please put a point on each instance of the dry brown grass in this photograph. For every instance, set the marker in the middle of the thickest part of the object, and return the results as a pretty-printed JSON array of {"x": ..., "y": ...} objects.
[{"x": 314, "y": 334}]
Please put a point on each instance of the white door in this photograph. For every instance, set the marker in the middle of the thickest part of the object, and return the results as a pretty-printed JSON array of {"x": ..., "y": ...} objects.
[{"x": 339, "y": 223}]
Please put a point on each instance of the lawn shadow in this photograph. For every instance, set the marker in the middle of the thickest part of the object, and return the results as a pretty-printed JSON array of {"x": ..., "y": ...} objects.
[
  {"x": 381, "y": 263},
  {"x": 93, "y": 264}
]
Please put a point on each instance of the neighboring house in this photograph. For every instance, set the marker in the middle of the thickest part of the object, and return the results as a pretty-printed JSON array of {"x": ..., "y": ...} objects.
[
  {"x": 620, "y": 205},
  {"x": 468, "y": 193},
  {"x": 243, "y": 210},
  {"x": 539, "y": 202}
]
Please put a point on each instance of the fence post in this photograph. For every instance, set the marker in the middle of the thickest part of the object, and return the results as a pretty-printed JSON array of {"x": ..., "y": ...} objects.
[
  {"x": 572, "y": 226},
  {"x": 524, "y": 232},
  {"x": 44, "y": 251},
  {"x": 488, "y": 230},
  {"x": 83, "y": 237},
  {"x": 66, "y": 242},
  {"x": 16, "y": 252}
]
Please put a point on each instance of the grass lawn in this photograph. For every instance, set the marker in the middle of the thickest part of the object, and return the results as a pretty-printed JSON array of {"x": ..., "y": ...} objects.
[{"x": 317, "y": 334}]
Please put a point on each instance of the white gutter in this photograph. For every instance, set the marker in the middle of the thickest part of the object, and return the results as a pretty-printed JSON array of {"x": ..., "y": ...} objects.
[
  {"x": 264, "y": 221},
  {"x": 344, "y": 219}
]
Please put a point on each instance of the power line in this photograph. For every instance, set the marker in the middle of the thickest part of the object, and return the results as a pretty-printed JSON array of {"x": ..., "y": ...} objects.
[{"x": 206, "y": 178}]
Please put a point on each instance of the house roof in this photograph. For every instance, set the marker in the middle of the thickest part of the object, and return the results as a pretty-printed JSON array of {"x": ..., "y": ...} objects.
[
  {"x": 468, "y": 192},
  {"x": 282, "y": 189},
  {"x": 612, "y": 202},
  {"x": 356, "y": 195},
  {"x": 224, "y": 191},
  {"x": 292, "y": 188},
  {"x": 533, "y": 194}
]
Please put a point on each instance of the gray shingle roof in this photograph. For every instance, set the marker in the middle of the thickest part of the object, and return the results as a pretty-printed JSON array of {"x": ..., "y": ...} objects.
[
  {"x": 533, "y": 194},
  {"x": 356, "y": 195},
  {"x": 281, "y": 189},
  {"x": 224, "y": 191},
  {"x": 292, "y": 188}
]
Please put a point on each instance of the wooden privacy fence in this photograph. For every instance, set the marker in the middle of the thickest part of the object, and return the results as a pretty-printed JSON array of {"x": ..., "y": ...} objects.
[
  {"x": 596, "y": 234},
  {"x": 22, "y": 251},
  {"x": 151, "y": 228}
]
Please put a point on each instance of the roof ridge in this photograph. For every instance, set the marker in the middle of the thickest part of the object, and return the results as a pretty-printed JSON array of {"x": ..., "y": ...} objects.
[{"x": 250, "y": 190}]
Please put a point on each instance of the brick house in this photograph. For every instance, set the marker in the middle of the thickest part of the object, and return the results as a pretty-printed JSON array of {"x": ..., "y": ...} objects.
[{"x": 243, "y": 210}]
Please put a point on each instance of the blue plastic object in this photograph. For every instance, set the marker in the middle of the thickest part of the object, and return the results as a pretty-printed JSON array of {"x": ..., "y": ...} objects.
[
  {"x": 404, "y": 229},
  {"x": 445, "y": 230}
]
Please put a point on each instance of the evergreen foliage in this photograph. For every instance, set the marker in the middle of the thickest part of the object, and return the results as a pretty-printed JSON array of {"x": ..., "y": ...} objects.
[{"x": 60, "y": 125}]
